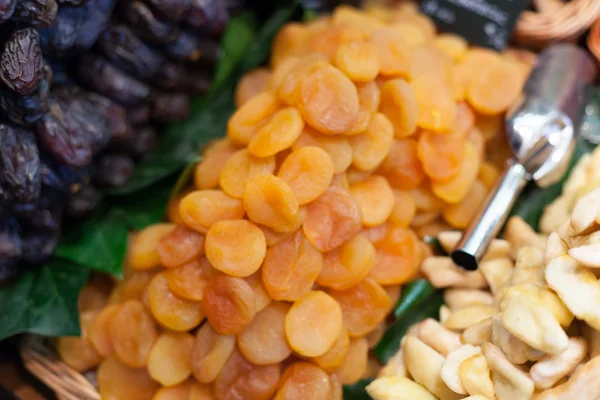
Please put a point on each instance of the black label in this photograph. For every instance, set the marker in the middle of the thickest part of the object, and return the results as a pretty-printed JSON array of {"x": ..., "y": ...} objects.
[{"x": 487, "y": 23}]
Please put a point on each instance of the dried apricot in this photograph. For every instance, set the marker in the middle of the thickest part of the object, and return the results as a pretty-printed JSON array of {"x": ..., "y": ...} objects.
[
  {"x": 364, "y": 306},
  {"x": 370, "y": 148},
  {"x": 397, "y": 258},
  {"x": 375, "y": 199},
  {"x": 170, "y": 360},
  {"x": 355, "y": 175},
  {"x": 402, "y": 167},
  {"x": 290, "y": 85},
  {"x": 495, "y": 87},
  {"x": 274, "y": 237},
  {"x": 452, "y": 45},
  {"x": 202, "y": 208},
  {"x": 328, "y": 100},
  {"x": 404, "y": 208},
  {"x": 488, "y": 173},
  {"x": 337, "y": 147},
  {"x": 346, "y": 15},
  {"x": 412, "y": 35},
  {"x": 399, "y": 104},
  {"x": 132, "y": 288},
  {"x": 332, "y": 219},
  {"x": 347, "y": 265},
  {"x": 207, "y": 171},
  {"x": 440, "y": 154},
  {"x": 240, "y": 380},
  {"x": 490, "y": 126},
  {"x": 180, "y": 246},
  {"x": 189, "y": 280},
  {"x": 133, "y": 333},
  {"x": 263, "y": 341},
  {"x": 210, "y": 353},
  {"x": 303, "y": 380},
  {"x": 250, "y": 85},
  {"x": 79, "y": 352},
  {"x": 99, "y": 331},
  {"x": 236, "y": 247},
  {"x": 355, "y": 363},
  {"x": 143, "y": 252},
  {"x": 176, "y": 392},
  {"x": 200, "y": 391},
  {"x": 289, "y": 41},
  {"x": 94, "y": 295},
  {"x": 429, "y": 62},
  {"x": 394, "y": 53},
  {"x": 436, "y": 105},
  {"x": 240, "y": 168},
  {"x": 457, "y": 188},
  {"x": 308, "y": 171},
  {"x": 261, "y": 295},
  {"x": 459, "y": 215},
  {"x": 326, "y": 41},
  {"x": 278, "y": 134},
  {"x": 463, "y": 121},
  {"x": 269, "y": 201},
  {"x": 369, "y": 97},
  {"x": 425, "y": 199},
  {"x": 313, "y": 324},
  {"x": 171, "y": 311},
  {"x": 359, "y": 61},
  {"x": 472, "y": 63},
  {"x": 252, "y": 115},
  {"x": 229, "y": 304},
  {"x": 291, "y": 268},
  {"x": 334, "y": 357},
  {"x": 118, "y": 381}
]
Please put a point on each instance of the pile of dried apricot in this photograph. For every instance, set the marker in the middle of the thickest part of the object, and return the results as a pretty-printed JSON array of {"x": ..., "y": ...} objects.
[{"x": 274, "y": 275}]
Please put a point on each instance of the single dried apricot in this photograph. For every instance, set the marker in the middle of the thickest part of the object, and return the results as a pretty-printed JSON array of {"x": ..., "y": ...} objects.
[
  {"x": 240, "y": 168},
  {"x": 411, "y": 33},
  {"x": 425, "y": 199},
  {"x": 263, "y": 299},
  {"x": 133, "y": 333},
  {"x": 244, "y": 123},
  {"x": 170, "y": 360},
  {"x": 180, "y": 246},
  {"x": 394, "y": 53},
  {"x": 436, "y": 105},
  {"x": 457, "y": 188},
  {"x": 79, "y": 352},
  {"x": 143, "y": 252},
  {"x": 370, "y": 148},
  {"x": 313, "y": 324},
  {"x": 250, "y": 85},
  {"x": 202, "y": 208},
  {"x": 132, "y": 288},
  {"x": 328, "y": 100},
  {"x": 278, "y": 134},
  {"x": 118, "y": 381},
  {"x": 472, "y": 63},
  {"x": 229, "y": 304},
  {"x": 290, "y": 84},
  {"x": 189, "y": 280},
  {"x": 369, "y": 97},
  {"x": 308, "y": 171},
  {"x": 459, "y": 215},
  {"x": 440, "y": 154},
  {"x": 355, "y": 363},
  {"x": 171, "y": 311},
  {"x": 364, "y": 306},
  {"x": 408, "y": 13},
  {"x": 99, "y": 331},
  {"x": 289, "y": 41},
  {"x": 337, "y": 147},
  {"x": 303, "y": 380},
  {"x": 402, "y": 167},
  {"x": 452, "y": 45},
  {"x": 429, "y": 62},
  {"x": 210, "y": 353},
  {"x": 399, "y": 105},
  {"x": 359, "y": 61},
  {"x": 94, "y": 295},
  {"x": 404, "y": 208},
  {"x": 269, "y": 201},
  {"x": 263, "y": 341},
  {"x": 236, "y": 247},
  {"x": 488, "y": 173},
  {"x": 291, "y": 268},
  {"x": 326, "y": 41},
  {"x": 334, "y": 357},
  {"x": 173, "y": 206},
  {"x": 464, "y": 120},
  {"x": 495, "y": 87},
  {"x": 207, "y": 171},
  {"x": 397, "y": 258},
  {"x": 332, "y": 219},
  {"x": 347, "y": 265},
  {"x": 375, "y": 199},
  {"x": 240, "y": 380},
  {"x": 176, "y": 392}
]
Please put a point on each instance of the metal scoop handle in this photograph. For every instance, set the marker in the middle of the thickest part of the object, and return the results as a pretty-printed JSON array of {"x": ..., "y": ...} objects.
[{"x": 490, "y": 219}]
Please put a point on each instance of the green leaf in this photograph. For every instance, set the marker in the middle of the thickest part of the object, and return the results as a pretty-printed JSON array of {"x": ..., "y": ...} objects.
[
  {"x": 414, "y": 294},
  {"x": 357, "y": 390},
  {"x": 236, "y": 41},
  {"x": 100, "y": 244},
  {"x": 534, "y": 199},
  {"x": 185, "y": 177},
  {"x": 428, "y": 307},
  {"x": 147, "y": 206},
  {"x": 43, "y": 301}
]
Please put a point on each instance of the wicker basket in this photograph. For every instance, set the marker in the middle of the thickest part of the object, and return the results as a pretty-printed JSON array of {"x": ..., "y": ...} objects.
[{"x": 556, "y": 20}]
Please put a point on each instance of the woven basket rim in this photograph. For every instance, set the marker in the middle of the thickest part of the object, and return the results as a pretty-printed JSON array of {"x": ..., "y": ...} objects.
[{"x": 42, "y": 361}]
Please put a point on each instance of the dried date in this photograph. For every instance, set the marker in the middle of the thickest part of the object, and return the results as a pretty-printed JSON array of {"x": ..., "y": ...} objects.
[
  {"x": 172, "y": 10},
  {"x": 60, "y": 39},
  {"x": 25, "y": 110},
  {"x": 114, "y": 170},
  {"x": 210, "y": 16},
  {"x": 189, "y": 47},
  {"x": 82, "y": 203},
  {"x": 19, "y": 165},
  {"x": 21, "y": 62},
  {"x": 170, "y": 106},
  {"x": 7, "y": 7},
  {"x": 39, "y": 13},
  {"x": 146, "y": 25},
  {"x": 97, "y": 18},
  {"x": 175, "y": 77}
]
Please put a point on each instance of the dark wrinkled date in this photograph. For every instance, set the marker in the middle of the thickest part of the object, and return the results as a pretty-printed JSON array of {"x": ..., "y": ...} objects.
[
  {"x": 114, "y": 170},
  {"x": 25, "y": 110},
  {"x": 145, "y": 24},
  {"x": 21, "y": 62},
  {"x": 209, "y": 15},
  {"x": 41, "y": 13},
  {"x": 7, "y": 7},
  {"x": 190, "y": 47},
  {"x": 172, "y": 10},
  {"x": 170, "y": 106}
]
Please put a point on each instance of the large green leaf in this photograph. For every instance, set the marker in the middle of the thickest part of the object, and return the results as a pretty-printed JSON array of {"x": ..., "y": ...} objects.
[{"x": 43, "y": 301}]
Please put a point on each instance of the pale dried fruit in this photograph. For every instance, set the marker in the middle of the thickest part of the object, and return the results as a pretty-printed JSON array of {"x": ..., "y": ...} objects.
[
  {"x": 398, "y": 388},
  {"x": 552, "y": 368},
  {"x": 509, "y": 381},
  {"x": 474, "y": 375},
  {"x": 437, "y": 336},
  {"x": 443, "y": 273},
  {"x": 450, "y": 368}
]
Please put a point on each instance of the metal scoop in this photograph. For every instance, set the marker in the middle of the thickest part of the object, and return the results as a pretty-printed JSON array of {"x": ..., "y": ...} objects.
[{"x": 542, "y": 130}]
